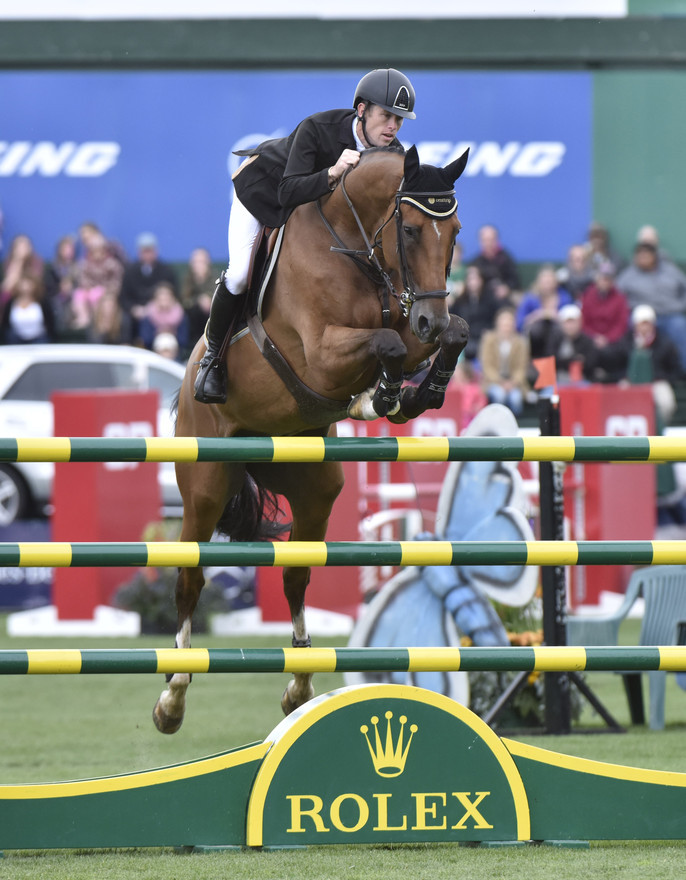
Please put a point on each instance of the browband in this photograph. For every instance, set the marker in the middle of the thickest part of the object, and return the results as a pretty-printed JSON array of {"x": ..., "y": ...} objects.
[{"x": 440, "y": 205}]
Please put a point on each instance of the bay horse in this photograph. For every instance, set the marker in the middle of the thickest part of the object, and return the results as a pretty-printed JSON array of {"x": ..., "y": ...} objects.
[{"x": 343, "y": 339}]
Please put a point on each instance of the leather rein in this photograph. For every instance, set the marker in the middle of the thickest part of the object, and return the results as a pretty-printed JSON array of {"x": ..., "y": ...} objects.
[{"x": 368, "y": 262}]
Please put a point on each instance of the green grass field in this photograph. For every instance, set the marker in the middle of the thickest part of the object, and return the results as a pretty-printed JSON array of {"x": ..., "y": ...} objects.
[{"x": 69, "y": 727}]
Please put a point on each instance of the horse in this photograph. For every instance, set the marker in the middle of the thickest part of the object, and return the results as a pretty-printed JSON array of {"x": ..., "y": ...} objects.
[{"x": 342, "y": 338}]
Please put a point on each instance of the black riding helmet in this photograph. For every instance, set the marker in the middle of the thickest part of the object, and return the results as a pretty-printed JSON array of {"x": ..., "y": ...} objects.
[{"x": 390, "y": 89}]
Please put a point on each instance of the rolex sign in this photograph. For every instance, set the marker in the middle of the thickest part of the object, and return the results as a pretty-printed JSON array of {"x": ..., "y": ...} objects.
[{"x": 385, "y": 763}]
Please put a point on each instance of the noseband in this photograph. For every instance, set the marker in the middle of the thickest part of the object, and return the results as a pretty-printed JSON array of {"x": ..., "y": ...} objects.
[{"x": 367, "y": 259}]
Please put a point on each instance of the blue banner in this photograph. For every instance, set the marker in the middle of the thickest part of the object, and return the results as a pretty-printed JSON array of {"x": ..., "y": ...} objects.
[{"x": 151, "y": 151}]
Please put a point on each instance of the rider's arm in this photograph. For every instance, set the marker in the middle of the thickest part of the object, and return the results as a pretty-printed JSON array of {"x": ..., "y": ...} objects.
[{"x": 305, "y": 178}]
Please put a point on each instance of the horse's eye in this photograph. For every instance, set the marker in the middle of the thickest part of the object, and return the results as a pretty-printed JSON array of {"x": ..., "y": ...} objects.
[{"x": 411, "y": 232}]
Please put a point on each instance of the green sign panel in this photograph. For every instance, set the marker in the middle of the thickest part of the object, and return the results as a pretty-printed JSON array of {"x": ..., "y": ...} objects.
[{"x": 385, "y": 763}]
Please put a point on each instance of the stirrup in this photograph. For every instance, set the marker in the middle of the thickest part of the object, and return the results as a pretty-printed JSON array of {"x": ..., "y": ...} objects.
[{"x": 210, "y": 382}]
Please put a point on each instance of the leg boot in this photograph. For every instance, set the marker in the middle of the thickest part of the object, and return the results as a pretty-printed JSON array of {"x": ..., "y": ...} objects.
[{"x": 210, "y": 382}]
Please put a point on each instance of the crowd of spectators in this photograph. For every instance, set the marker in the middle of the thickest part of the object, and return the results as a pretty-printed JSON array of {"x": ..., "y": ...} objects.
[
  {"x": 90, "y": 291},
  {"x": 602, "y": 318}
]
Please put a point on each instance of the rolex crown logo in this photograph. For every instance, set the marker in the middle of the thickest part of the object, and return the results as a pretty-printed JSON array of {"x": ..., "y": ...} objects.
[{"x": 389, "y": 759}]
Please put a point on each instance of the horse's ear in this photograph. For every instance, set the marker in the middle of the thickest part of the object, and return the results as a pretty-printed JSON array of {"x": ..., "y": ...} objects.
[
  {"x": 411, "y": 166},
  {"x": 455, "y": 169}
]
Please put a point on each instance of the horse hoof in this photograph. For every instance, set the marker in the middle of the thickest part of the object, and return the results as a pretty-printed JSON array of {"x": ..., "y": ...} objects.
[
  {"x": 361, "y": 407},
  {"x": 288, "y": 704},
  {"x": 163, "y": 722}
]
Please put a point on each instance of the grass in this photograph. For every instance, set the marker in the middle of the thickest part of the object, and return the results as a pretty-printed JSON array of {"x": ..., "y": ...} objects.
[{"x": 66, "y": 727}]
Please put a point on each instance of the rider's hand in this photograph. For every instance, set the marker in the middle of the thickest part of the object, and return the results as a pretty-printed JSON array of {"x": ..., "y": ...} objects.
[{"x": 347, "y": 159}]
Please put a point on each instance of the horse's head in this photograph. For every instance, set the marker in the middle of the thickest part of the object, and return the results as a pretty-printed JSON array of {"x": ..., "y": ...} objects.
[{"x": 425, "y": 228}]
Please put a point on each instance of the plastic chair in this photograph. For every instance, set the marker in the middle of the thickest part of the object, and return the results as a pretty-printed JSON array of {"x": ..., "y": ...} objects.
[{"x": 663, "y": 588}]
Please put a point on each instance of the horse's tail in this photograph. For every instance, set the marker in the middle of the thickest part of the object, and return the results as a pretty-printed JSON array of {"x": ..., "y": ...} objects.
[{"x": 254, "y": 514}]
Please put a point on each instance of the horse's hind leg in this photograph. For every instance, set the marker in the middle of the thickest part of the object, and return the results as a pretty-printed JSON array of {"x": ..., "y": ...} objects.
[{"x": 204, "y": 487}]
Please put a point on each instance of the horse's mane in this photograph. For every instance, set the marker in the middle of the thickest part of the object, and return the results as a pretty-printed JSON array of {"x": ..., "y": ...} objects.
[{"x": 391, "y": 148}]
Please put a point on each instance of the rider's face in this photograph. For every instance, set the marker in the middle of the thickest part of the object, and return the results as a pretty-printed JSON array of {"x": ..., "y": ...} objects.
[{"x": 382, "y": 127}]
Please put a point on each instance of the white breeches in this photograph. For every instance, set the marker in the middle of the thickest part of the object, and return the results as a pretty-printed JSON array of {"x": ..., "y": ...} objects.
[{"x": 243, "y": 231}]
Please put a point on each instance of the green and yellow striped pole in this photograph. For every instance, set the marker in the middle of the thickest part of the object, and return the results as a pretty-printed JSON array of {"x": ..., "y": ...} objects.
[
  {"x": 322, "y": 553},
  {"x": 65, "y": 661},
  {"x": 317, "y": 449}
]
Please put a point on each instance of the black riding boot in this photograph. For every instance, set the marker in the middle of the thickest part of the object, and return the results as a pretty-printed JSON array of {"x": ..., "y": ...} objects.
[{"x": 210, "y": 382}]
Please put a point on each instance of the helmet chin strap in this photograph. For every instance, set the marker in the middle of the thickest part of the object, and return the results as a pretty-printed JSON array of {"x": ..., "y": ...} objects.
[{"x": 363, "y": 123}]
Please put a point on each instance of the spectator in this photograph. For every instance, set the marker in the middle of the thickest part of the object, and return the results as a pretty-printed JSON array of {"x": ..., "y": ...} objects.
[
  {"x": 650, "y": 235},
  {"x": 478, "y": 306},
  {"x": 60, "y": 281},
  {"x": 662, "y": 285},
  {"x": 576, "y": 356},
  {"x": 196, "y": 292},
  {"x": 497, "y": 266},
  {"x": 139, "y": 281},
  {"x": 89, "y": 230},
  {"x": 105, "y": 326},
  {"x": 26, "y": 318},
  {"x": 22, "y": 261},
  {"x": 543, "y": 326},
  {"x": 98, "y": 273},
  {"x": 646, "y": 354},
  {"x": 576, "y": 275},
  {"x": 531, "y": 306},
  {"x": 504, "y": 357},
  {"x": 166, "y": 345},
  {"x": 599, "y": 249},
  {"x": 163, "y": 314},
  {"x": 457, "y": 274},
  {"x": 604, "y": 308}
]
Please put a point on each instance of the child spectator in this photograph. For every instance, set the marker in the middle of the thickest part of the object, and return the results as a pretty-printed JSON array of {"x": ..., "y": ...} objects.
[
  {"x": 98, "y": 273},
  {"x": 26, "y": 318},
  {"x": 163, "y": 314}
]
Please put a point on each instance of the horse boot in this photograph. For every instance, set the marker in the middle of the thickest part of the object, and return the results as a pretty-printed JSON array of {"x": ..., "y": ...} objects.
[{"x": 210, "y": 381}]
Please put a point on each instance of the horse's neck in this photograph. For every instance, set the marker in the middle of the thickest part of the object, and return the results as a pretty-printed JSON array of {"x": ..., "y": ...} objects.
[{"x": 371, "y": 188}]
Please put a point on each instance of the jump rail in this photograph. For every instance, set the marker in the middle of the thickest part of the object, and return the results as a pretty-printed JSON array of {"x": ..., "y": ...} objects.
[
  {"x": 322, "y": 553},
  {"x": 65, "y": 661},
  {"x": 316, "y": 449}
]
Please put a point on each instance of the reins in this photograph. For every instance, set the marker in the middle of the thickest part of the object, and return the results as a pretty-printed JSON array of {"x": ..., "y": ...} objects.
[
  {"x": 368, "y": 262},
  {"x": 372, "y": 268}
]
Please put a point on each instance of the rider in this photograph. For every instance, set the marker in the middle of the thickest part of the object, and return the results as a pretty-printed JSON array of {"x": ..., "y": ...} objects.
[{"x": 286, "y": 172}]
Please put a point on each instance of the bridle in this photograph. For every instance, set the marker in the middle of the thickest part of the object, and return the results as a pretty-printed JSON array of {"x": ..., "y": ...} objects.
[{"x": 367, "y": 260}]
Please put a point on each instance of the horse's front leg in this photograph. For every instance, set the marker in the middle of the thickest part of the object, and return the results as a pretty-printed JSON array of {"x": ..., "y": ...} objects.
[
  {"x": 204, "y": 488},
  {"x": 171, "y": 705},
  {"x": 430, "y": 394},
  {"x": 311, "y": 490},
  {"x": 390, "y": 351}
]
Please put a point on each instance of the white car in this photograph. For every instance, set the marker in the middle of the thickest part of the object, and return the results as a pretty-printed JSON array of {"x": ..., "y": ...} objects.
[{"x": 28, "y": 376}]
